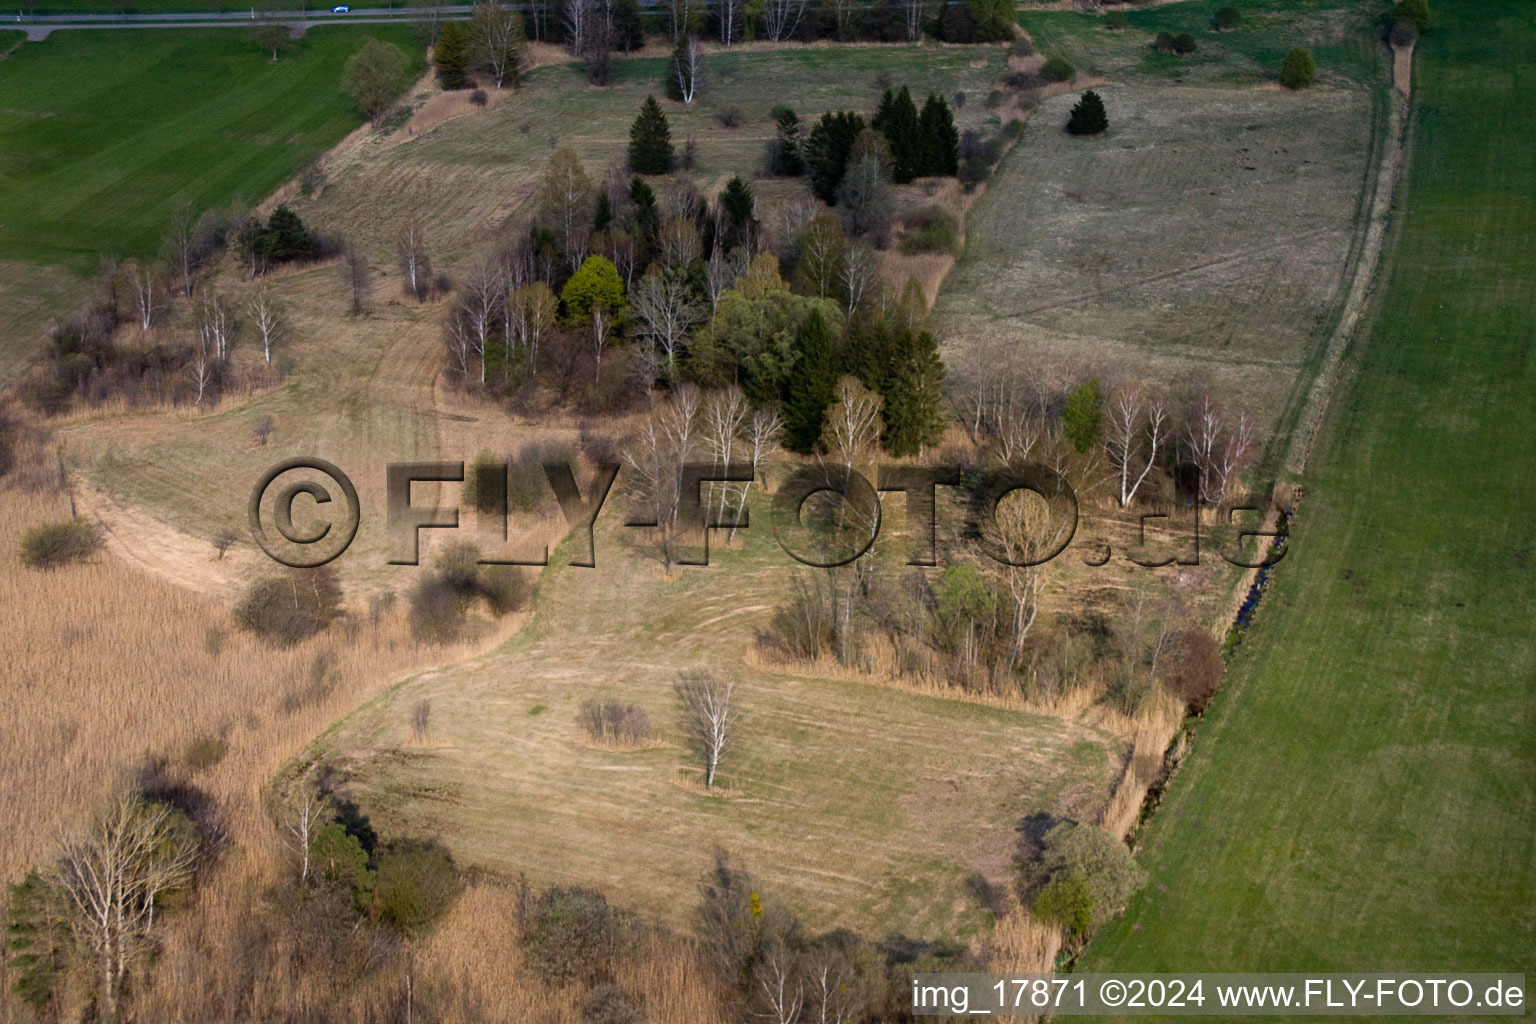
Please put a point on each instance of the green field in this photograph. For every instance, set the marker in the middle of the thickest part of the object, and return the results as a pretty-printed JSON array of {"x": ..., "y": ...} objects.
[
  {"x": 104, "y": 129},
  {"x": 1360, "y": 798}
]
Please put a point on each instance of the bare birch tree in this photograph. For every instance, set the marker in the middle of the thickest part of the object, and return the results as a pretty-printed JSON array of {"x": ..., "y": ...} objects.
[
  {"x": 146, "y": 292},
  {"x": 482, "y": 297},
  {"x": 725, "y": 412},
  {"x": 780, "y": 990},
  {"x": 663, "y": 307},
  {"x": 301, "y": 821},
  {"x": 496, "y": 33},
  {"x": 711, "y": 718},
  {"x": 577, "y": 16},
  {"x": 782, "y": 18},
  {"x": 113, "y": 874},
  {"x": 1135, "y": 430},
  {"x": 267, "y": 317},
  {"x": 415, "y": 262},
  {"x": 916, "y": 11},
  {"x": 688, "y": 69}
]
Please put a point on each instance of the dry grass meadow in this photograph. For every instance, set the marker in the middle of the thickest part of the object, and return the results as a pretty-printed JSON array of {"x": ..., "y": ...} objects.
[
  {"x": 858, "y": 803},
  {"x": 1201, "y": 241}
]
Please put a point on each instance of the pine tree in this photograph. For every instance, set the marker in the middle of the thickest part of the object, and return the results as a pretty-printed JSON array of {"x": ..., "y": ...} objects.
[
  {"x": 451, "y": 57},
  {"x": 1089, "y": 116},
  {"x": 897, "y": 121},
  {"x": 628, "y": 28},
  {"x": 812, "y": 384},
  {"x": 650, "y": 140},
  {"x": 35, "y": 941},
  {"x": 940, "y": 141},
  {"x": 826, "y": 152},
  {"x": 1298, "y": 70},
  {"x": 737, "y": 202},
  {"x": 788, "y": 163}
]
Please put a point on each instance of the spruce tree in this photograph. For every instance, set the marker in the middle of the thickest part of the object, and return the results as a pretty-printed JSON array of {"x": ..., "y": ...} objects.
[
  {"x": 1089, "y": 116},
  {"x": 826, "y": 152},
  {"x": 603, "y": 218},
  {"x": 897, "y": 121},
  {"x": 628, "y": 28},
  {"x": 737, "y": 202},
  {"x": 1298, "y": 71},
  {"x": 913, "y": 393},
  {"x": 940, "y": 141},
  {"x": 451, "y": 57},
  {"x": 643, "y": 199},
  {"x": 650, "y": 140},
  {"x": 787, "y": 160},
  {"x": 812, "y": 384}
]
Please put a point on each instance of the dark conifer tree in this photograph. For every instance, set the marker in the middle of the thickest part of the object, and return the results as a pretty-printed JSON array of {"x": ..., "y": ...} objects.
[
  {"x": 812, "y": 385},
  {"x": 650, "y": 140},
  {"x": 1089, "y": 116},
  {"x": 897, "y": 121},
  {"x": 826, "y": 152},
  {"x": 451, "y": 57},
  {"x": 628, "y": 28},
  {"x": 788, "y": 163},
  {"x": 939, "y": 140}
]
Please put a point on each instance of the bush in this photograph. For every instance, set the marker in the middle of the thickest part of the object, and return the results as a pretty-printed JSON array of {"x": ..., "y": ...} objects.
[
  {"x": 570, "y": 934},
  {"x": 1083, "y": 414},
  {"x": 1056, "y": 70},
  {"x": 1228, "y": 18},
  {"x": 609, "y": 1004},
  {"x": 413, "y": 885},
  {"x": 1197, "y": 668},
  {"x": 1164, "y": 42},
  {"x": 930, "y": 229},
  {"x": 730, "y": 117},
  {"x": 1101, "y": 861},
  {"x": 292, "y": 606},
  {"x": 1068, "y": 901},
  {"x": 479, "y": 98},
  {"x": 486, "y": 483},
  {"x": 1415, "y": 11},
  {"x": 1402, "y": 33},
  {"x": 51, "y": 545},
  {"x": 1184, "y": 44},
  {"x": 1089, "y": 116},
  {"x": 205, "y": 752},
  {"x": 440, "y": 600},
  {"x": 339, "y": 859},
  {"x": 1116, "y": 22},
  {"x": 1298, "y": 70},
  {"x": 609, "y": 721},
  {"x": 1022, "y": 47}
]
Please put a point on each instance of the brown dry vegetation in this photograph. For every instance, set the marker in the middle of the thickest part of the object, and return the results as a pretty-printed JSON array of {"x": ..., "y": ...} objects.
[{"x": 1201, "y": 243}]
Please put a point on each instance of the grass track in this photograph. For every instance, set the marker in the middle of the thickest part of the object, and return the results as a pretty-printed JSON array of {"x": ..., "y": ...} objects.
[
  {"x": 1361, "y": 797},
  {"x": 102, "y": 130}
]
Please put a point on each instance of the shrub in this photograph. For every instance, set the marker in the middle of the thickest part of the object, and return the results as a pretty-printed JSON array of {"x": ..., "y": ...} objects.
[
  {"x": 570, "y": 934},
  {"x": 1184, "y": 44},
  {"x": 609, "y": 721},
  {"x": 51, "y": 545},
  {"x": 1164, "y": 42},
  {"x": 1197, "y": 668},
  {"x": 1083, "y": 414},
  {"x": 1022, "y": 47},
  {"x": 1402, "y": 33},
  {"x": 1228, "y": 18},
  {"x": 486, "y": 483},
  {"x": 413, "y": 885},
  {"x": 440, "y": 600},
  {"x": 292, "y": 606},
  {"x": 930, "y": 229},
  {"x": 479, "y": 98},
  {"x": 340, "y": 860},
  {"x": 1068, "y": 901},
  {"x": 1089, "y": 116},
  {"x": 1298, "y": 70},
  {"x": 205, "y": 752},
  {"x": 1416, "y": 11},
  {"x": 730, "y": 117},
  {"x": 609, "y": 1004},
  {"x": 1101, "y": 861},
  {"x": 1116, "y": 22},
  {"x": 1056, "y": 70}
]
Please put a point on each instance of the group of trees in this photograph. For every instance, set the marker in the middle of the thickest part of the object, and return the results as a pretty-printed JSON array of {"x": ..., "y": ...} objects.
[
  {"x": 492, "y": 46},
  {"x": 901, "y": 144},
  {"x": 86, "y": 359}
]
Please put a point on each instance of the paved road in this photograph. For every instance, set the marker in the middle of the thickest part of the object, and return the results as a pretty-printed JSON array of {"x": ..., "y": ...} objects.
[{"x": 39, "y": 26}]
